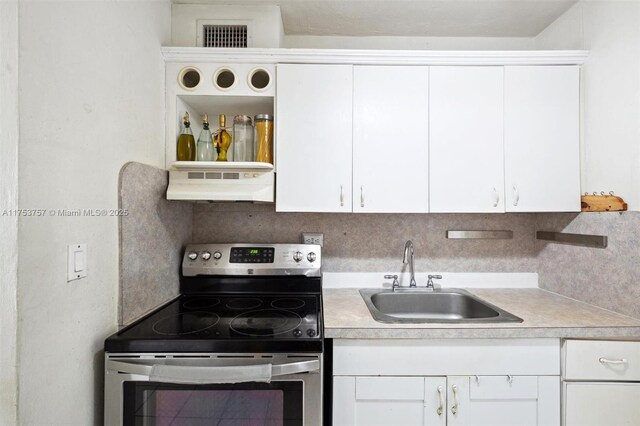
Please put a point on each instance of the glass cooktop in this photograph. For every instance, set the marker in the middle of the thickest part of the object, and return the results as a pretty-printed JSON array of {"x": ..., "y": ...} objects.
[{"x": 231, "y": 322}]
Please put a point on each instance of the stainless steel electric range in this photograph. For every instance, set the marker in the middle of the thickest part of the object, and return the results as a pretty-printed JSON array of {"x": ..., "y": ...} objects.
[{"x": 241, "y": 345}]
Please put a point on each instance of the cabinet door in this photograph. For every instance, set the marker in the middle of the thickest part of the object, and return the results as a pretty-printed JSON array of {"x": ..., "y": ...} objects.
[
  {"x": 384, "y": 401},
  {"x": 390, "y": 139},
  {"x": 313, "y": 137},
  {"x": 596, "y": 404},
  {"x": 496, "y": 400},
  {"x": 542, "y": 138},
  {"x": 466, "y": 157}
]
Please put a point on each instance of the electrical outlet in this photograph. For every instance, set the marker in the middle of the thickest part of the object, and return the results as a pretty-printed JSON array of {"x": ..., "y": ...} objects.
[{"x": 312, "y": 238}]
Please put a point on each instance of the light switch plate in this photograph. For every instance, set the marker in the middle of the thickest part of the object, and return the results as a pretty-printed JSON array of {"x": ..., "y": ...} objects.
[{"x": 76, "y": 261}]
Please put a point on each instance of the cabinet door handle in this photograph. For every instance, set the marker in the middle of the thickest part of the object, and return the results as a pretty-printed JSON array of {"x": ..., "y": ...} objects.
[
  {"x": 604, "y": 360},
  {"x": 341, "y": 197},
  {"x": 361, "y": 196},
  {"x": 440, "y": 401},
  {"x": 516, "y": 195},
  {"x": 454, "y": 406},
  {"x": 496, "y": 197}
]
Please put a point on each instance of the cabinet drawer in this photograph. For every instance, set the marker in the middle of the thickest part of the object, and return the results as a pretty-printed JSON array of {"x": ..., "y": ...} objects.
[
  {"x": 503, "y": 387},
  {"x": 390, "y": 388},
  {"x": 601, "y": 360},
  {"x": 438, "y": 357}
]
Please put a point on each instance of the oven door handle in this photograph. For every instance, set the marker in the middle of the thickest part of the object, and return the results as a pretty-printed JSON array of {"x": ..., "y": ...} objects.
[
  {"x": 295, "y": 368},
  {"x": 164, "y": 373}
]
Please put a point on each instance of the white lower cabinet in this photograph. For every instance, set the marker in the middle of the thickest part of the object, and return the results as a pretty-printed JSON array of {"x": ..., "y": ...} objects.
[
  {"x": 503, "y": 400},
  {"x": 597, "y": 404},
  {"x": 406, "y": 383},
  {"x": 389, "y": 401},
  {"x": 601, "y": 383},
  {"x": 453, "y": 400}
]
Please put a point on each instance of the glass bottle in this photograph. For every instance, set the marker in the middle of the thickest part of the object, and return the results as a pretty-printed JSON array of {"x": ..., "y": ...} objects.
[
  {"x": 242, "y": 138},
  {"x": 186, "y": 147},
  {"x": 222, "y": 140},
  {"x": 206, "y": 151},
  {"x": 264, "y": 138}
]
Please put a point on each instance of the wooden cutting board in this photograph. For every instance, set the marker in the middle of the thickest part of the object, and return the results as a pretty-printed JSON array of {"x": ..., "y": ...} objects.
[{"x": 602, "y": 203}]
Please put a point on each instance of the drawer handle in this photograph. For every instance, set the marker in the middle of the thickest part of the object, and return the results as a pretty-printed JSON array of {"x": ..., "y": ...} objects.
[
  {"x": 440, "y": 401},
  {"x": 604, "y": 360},
  {"x": 454, "y": 407}
]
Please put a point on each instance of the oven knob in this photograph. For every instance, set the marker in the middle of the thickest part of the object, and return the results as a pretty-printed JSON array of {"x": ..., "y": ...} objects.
[
  {"x": 205, "y": 255},
  {"x": 193, "y": 255},
  {"x": 297, "y": 256},
  {"x": 311, "y": 257},
  {"x": 217, "y": 255},
  {"x": 297, "y": 332},
  {"x": 311, "y": 332}
]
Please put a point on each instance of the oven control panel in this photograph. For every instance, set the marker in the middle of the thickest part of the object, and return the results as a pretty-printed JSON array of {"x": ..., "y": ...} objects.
[
  {"x": 252, "y": 259},
  {"x": 251, "y": 255}
]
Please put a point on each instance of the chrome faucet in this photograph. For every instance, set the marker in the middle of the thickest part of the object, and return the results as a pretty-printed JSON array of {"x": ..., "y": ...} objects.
[
  {"x": 430, "y": 285},
  {"x": 408, "y": 258}
]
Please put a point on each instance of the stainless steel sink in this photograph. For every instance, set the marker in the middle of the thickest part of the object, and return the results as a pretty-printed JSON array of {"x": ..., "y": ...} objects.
[{"x": 442, "y": 305}]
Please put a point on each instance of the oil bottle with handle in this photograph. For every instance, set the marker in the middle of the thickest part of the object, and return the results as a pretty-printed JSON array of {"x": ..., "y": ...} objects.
[
  {"x": 222, "y": 139},
  {"x": 206, "y": 151}
]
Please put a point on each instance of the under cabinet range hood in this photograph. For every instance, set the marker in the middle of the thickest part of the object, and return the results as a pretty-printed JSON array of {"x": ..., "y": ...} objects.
[{"x": 221, "y": 181}]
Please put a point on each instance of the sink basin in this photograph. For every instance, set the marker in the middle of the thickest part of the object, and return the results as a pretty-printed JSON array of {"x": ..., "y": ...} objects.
[{"x": 420, "y": 306}]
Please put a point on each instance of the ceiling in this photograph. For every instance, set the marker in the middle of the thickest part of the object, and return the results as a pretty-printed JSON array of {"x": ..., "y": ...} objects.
[{"x": 432, "y": 18}]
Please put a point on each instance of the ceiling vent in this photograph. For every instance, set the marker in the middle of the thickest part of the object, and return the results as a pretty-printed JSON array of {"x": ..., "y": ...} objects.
[{"x": 225, "y": 36}]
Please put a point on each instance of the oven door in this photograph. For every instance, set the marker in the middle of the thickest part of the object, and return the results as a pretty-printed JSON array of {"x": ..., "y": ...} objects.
[{"x": 220, "y": 389}]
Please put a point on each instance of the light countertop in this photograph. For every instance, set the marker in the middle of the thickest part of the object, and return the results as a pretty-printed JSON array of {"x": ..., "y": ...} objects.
[{"x": 545, "y": 314}]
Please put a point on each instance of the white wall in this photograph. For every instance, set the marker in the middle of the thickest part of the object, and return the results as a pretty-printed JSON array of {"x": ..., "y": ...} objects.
[
  {"x": 268, "y": 32},
  {"x": 409, "y": 43},
  {"x": 8, "y": 201},
  {"x": 266, "y": 22},
  {"x": 610, "y": 30},
  {"x": 91, "y": 99}
]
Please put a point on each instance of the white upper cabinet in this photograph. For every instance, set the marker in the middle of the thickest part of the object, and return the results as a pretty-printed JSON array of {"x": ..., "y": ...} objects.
[
  {"x": 313, "y": 137},
  {"x": 396, "y": 131},
  {"x": 542, "y": 153},
  {"x": 390, "y": 139},
  {"x": 466, "y": 139},
  {"x": 418, "y": 139}
]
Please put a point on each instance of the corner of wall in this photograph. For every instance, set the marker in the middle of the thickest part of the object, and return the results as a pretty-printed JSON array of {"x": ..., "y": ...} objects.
[
  {"x": 9, "y": 135},
  {"x": 565, "y": 33},
  {"x": 281, "y": 42},
  {"x": 577, "y": 272}
]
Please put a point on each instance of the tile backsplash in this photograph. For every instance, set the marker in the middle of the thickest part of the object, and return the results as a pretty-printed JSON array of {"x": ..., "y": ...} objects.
[
  {"x": 609, "y": 278},
  {"x": 151, "y": 239},
  {"x": 374, "y": 242}
]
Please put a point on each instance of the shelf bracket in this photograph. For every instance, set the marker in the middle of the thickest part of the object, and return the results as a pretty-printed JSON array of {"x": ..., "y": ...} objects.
[
  {"x": 585, "y": 240},
  {"x": 480, "y": 235}
]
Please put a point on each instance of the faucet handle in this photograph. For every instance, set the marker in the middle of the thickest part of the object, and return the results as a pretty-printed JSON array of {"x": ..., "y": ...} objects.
[
  {"x": 395, "y": 283},
  {"x": 431, "y": 278}
]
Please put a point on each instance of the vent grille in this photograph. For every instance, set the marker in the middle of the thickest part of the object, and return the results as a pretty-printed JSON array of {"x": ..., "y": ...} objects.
[{"x": 224, "y": 35}]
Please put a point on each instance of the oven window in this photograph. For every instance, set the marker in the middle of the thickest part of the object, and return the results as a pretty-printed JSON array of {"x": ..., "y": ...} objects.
[{"x": 241, "y": 404}]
